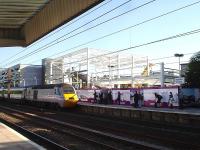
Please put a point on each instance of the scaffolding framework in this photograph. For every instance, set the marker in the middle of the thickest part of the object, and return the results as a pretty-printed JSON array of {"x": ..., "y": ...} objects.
[{"x": 89, "y": 67}]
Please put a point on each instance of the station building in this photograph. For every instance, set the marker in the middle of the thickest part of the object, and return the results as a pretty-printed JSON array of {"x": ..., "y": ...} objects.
[{"x": 21, "y": 75}]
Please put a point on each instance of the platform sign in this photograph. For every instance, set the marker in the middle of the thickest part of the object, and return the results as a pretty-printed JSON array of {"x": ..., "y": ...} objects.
[{"x": 180, "y": 80}]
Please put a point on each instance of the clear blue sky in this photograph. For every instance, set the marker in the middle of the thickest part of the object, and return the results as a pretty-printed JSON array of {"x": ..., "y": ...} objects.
[{"x": 182, "y": 21}]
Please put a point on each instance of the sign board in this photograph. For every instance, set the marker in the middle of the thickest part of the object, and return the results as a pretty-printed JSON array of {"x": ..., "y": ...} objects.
[
  {"x": 149, "y": 96},
  {"x": 76, "y": 86},
  {"x": 180, "y": 80}
]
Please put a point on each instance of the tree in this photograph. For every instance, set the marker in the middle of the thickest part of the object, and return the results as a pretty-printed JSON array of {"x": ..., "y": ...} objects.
[{"x": 193, "y": 74}]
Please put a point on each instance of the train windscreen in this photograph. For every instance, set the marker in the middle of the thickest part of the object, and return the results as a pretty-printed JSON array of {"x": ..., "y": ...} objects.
[{"x": 68, "y": 89}]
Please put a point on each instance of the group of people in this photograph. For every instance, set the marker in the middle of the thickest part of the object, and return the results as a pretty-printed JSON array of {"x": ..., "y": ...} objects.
[
  {"x": 158, "y": 99},
  {"x": 103, "y": 97},
  {"x": 106, "y": 97},
  {"x": 137, "y": 98}
]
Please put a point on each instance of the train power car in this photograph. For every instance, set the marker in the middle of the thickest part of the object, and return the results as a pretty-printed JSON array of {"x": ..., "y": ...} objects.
[{"x": 62, "y": 95}]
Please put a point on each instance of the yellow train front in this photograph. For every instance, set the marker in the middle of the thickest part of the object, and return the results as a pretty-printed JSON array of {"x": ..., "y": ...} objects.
[{"x": 70, "y": 96}]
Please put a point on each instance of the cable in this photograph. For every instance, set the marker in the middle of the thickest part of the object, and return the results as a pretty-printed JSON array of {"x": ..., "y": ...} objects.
[
  {"x": 176, "y": 62},
  {"x": 36, "y": 51},
  {"x": 169, "y": 56},
  {"x": 51, "y": 43},
  {"x": 138, "y": 24},
  {"x": 73, "y": 22},
  {"x": 145, "y": 44},
  {"x": 56, "y": 31},
  {"x": 94, "y": 19},
  {"x": 43, "y": 48}
]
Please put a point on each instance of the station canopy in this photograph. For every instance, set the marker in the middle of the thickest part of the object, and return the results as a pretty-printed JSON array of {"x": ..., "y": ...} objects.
[{"x": 24, "y": 21}]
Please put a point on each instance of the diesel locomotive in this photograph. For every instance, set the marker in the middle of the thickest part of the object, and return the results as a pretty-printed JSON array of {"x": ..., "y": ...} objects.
[{"x": 61, "y": 95}]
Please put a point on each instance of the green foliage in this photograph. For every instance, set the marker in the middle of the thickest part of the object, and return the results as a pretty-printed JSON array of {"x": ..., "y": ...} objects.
[{"x": 193, "y": 74}]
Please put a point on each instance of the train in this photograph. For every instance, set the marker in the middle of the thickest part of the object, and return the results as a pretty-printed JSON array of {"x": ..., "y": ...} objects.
[{"x": 58, "y": 95}]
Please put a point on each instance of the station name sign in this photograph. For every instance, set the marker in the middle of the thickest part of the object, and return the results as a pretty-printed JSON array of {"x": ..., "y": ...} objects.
[{"x": 180, "y": 80}]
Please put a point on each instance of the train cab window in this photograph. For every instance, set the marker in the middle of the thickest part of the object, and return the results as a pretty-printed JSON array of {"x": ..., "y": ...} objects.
[
  {"x": 68, "y": 90},
  {"x": 57, "y": 91}
]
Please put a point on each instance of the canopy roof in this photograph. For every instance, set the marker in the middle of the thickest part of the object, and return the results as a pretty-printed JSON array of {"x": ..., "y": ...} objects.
[{"x": 24, "y": 21}]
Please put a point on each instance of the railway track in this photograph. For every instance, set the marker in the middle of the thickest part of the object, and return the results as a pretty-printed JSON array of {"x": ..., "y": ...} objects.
[
  {"x": 35, "y": 137},
  {"x": 96, "y": 139},
  {"x": 131, "y": 135}
]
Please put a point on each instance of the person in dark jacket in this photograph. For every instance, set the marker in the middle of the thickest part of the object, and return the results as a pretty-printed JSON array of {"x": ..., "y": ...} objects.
[
  {"x": 158, "y": 100},
  {"x": 140, "y": 99},
  {"x": 110, "y": 97},
  {"x": 101, "y": 97},
  {"x": 118, "y": 97},
  {"x": 95, "y": 96},
  {"x": 136, "y": 98},
  {"x": 105, "y": 96}
]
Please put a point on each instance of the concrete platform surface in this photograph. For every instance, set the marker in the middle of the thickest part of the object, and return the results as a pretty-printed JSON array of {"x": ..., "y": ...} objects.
[
  {"x": 12, "y": 140},
  {"x": 189, "y": 110}
]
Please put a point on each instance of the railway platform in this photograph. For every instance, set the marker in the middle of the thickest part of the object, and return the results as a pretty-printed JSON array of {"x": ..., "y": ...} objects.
[
  {"x": 12, "y": 140},
  {"x": 186, "y": 116}
]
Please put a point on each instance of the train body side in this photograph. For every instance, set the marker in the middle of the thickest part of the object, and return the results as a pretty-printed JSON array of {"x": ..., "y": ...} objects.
[
  {"x": 63, "y": 95},
  {"x": 15, "y": 93},
  {"x": 44, "y": 95}
]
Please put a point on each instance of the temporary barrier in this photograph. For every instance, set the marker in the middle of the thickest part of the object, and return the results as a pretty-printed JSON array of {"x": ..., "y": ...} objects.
[{"x": 148, "y": 95}]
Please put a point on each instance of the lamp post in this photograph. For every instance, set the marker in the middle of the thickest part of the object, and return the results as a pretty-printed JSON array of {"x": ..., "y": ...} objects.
[
  {"x": 110, "y": 74},
  {"x": 24, "y": 82},
  {"x": 35, "y": 80},
  {"x": 179, "y": 56}
]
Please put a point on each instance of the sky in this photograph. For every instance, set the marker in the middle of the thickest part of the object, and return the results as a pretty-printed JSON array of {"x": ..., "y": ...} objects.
[{"x": 181, "y": 21}]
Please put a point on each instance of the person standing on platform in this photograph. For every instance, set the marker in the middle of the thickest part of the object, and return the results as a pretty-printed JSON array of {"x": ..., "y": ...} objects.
[
  {"x": 132, "y": 98},
  {"x": 118, "y": 97},
  {"x": 139, "y": 99},
  {"x": 95, "y": 96},
  {"x": 171, "y": 100},
  {"x": 101, "y": 97},
  {"x": 136, "y": 98},
  {"x": 142, "y": 98},
  {"x": 105, "y": 96},
  {"x": 157, "y": 100},
  {"x": 180, "y": 98},
  {"x": 110, "y": 97}
]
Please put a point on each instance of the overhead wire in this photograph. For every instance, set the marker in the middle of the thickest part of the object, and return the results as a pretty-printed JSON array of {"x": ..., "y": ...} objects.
[
  {"x": 49, "y": 45},
  {"x": 151, "y": 19},
  {"x": 144, "y": 44},
  {"x": 124, "y": 29},
  {"x": 73, "y": 22},
  {"x": 100, "y": 16},
  {"x": 36, "y": 51},
  {"x": 141, "y": 45},
  {"x": 169, "y": 56},
  {"x": 176, "y": 62},
  {"x": 67, "y": 25}
]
